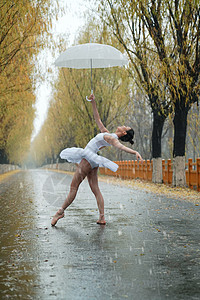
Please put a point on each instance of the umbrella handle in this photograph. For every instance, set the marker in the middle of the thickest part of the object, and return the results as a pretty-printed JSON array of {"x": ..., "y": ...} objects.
[{"x": 87, "y": 97}]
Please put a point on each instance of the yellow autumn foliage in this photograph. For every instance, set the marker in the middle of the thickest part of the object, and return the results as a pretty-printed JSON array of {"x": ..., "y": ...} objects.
[
  {"x": 24, "y": 32},
  {"x": 70, "y": 119}
]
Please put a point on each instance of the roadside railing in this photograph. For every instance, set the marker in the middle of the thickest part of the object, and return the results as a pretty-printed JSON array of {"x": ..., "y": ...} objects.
[{"x": 132, "y": 169}]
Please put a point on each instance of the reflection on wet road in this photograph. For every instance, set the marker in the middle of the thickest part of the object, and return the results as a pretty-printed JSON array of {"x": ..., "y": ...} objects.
[{"x": 148, "y": 250}]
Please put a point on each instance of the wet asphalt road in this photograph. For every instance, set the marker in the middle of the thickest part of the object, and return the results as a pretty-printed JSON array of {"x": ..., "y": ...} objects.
[{"x": 149, "y": 249}]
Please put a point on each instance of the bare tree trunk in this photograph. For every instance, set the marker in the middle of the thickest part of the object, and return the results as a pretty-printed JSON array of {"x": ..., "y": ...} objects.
[
  {"x": 180, "y": 128},
  {"x": 158, "y": 123}
]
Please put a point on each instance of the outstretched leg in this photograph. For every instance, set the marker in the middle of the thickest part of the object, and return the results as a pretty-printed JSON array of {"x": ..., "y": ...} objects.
[
  {"x": 93, "y": 182},
  {"x": 81, "y": 172}
]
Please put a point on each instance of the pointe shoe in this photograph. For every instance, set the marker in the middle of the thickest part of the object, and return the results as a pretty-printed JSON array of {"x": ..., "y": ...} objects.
[
  {"x": 58, "y": 215},
  {"x": 101, "y": 220}
]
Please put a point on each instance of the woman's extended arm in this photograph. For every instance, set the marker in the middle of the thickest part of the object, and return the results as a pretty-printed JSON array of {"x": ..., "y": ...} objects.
[
  {"x": 96, "y": 115},
  {"x": 118, "y": 145}
]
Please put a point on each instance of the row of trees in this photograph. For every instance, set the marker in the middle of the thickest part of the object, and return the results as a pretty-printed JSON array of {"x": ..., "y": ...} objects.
[
  {"x": 161, "y": 39},
  {"x": 70, "y": 119},
  {"x": 24, "y": 31},
  {"x": 120, "y": 99}
]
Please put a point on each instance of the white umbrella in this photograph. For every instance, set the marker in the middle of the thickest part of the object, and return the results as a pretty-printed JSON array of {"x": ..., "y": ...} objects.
[{"x": 91, "y": 55}]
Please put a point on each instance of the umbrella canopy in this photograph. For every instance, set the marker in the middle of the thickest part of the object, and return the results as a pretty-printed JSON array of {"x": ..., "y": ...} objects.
[{"x": 91, "y": 55}]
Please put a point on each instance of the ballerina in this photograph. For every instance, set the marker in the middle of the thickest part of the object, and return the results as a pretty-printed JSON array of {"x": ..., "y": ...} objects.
[{"x": 88, "y": 162}]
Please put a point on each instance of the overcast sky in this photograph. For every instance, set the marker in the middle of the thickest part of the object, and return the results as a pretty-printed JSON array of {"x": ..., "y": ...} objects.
[{"x": 69, "y": 25}]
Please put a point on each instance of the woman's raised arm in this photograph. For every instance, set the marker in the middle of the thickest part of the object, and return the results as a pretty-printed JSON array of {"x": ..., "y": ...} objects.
[{"x": 102, "y": 128}]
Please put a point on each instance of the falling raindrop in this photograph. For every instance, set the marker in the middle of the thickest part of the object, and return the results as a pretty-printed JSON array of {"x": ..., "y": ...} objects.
[{"x": 119, "y": 232}]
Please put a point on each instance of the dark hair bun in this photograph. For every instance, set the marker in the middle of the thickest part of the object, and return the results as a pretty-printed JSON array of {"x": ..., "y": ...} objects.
[{"x": 128, "y": 137}]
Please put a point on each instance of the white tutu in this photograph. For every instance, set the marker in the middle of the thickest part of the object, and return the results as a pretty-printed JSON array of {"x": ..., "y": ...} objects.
[{"x": 75, "y": 155}]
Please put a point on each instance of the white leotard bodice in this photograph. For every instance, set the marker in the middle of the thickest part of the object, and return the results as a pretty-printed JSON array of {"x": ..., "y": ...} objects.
[{"x": 98, "y": 141}]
